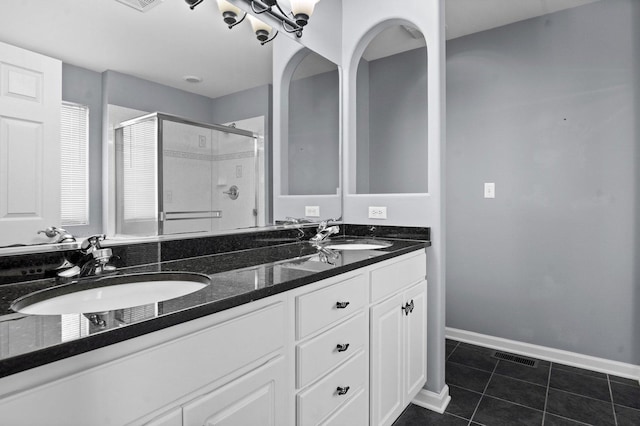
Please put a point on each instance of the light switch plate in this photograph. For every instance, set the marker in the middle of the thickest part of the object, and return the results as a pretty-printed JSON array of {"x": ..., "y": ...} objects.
[
  {"x": 312, "y": 211},
  {"x": 489, "y": 190}
]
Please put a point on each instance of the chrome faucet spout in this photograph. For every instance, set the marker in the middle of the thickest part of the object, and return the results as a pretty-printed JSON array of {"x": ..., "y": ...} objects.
[
  {"x": 324, "y": 231},
  {"x": 95, "y": 260}
]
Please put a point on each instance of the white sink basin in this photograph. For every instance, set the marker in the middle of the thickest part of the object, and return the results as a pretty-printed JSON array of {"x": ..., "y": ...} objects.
[
  {"x": 356, "y": 245},
  {"x": 109, "y": 293}
]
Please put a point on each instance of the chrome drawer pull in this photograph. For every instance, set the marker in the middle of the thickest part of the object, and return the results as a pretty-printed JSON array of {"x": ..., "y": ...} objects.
[
  {"x": 342, "y": 390},
  {"x": 341, "y": 305},
  {"x": 342, "y": 347}
]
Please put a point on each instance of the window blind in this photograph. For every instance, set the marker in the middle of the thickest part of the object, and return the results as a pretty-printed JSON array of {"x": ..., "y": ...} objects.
[
  {"x": 140, "y": 171},
  {"x": 74, "y": 177}
]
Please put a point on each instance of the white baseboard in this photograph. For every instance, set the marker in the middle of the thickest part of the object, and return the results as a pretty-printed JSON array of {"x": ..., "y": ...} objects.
[
  {"x": 602, "y": 365},
  {"x": 433, "y": 401}
]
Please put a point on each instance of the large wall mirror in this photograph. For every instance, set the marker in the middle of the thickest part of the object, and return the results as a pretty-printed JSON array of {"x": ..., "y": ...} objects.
[
  {"x": 123, "y": 63},
  {"x": 391, "y": 147}
]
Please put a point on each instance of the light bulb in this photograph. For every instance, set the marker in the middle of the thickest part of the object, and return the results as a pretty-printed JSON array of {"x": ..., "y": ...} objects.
[
  {"x": 302, "y": 10},
  {"x": 229, "y": 12},
  {"x": 260, "y": 29}
]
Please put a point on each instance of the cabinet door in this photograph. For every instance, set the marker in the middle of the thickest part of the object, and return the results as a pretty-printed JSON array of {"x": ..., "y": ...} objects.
[
  {"x": 415, "y": 325},
  {"x": 386, "y": 361},
  {"x": 172, "y": 418},
  {"x": 256, "y": 398}
]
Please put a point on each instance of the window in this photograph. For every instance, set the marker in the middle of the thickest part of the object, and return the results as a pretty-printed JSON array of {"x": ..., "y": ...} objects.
[{"x": 74, "y": 177}]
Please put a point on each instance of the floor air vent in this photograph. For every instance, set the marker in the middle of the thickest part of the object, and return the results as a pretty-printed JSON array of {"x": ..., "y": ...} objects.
[{"x": 505, "y": 356}]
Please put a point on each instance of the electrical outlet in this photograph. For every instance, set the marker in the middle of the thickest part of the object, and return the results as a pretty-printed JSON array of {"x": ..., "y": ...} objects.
[
  {"x": 377, "y": 212},
  {"x": 312, "y": 211},
  {"x": 489, "y": 190}
]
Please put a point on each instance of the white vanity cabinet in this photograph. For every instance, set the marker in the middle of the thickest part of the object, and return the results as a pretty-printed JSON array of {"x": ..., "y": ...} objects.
[
  {"x": 398, "y": 337},
  {"x": 235, "y": 357},
  {"x": 331, "y": 351},
  {"x": 347, "y": 350}
]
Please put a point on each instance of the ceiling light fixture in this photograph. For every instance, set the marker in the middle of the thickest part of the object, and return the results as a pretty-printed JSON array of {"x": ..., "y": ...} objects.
[{"x": 292, "y": 22}]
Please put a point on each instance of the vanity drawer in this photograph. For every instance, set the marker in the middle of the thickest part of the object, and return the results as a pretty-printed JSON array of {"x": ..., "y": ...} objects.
[
  {"x": 354, "y": 412},
  {"x": 321, "y": 354},
  {"x": 390, "y": 279},
  {"x": 323, "y": 307},
  {"x": 321, "y": 399}
]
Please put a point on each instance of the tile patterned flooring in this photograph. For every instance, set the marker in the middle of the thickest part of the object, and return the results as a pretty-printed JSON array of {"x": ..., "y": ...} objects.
[{"x": 487, "y": 391}]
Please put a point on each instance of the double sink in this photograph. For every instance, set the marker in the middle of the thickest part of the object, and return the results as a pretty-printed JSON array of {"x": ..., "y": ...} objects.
[{"x": 108, "y": 293}]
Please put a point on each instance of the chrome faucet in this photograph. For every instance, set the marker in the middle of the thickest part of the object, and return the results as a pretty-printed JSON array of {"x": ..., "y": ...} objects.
[
  {"x": 95, "y": 260},
  {"x": 62, "y": 234},
  {"x": 324, "y": 231}
]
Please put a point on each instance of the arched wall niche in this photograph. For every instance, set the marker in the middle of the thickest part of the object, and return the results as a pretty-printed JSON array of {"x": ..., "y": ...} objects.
[{"x": 390, "y": 153}]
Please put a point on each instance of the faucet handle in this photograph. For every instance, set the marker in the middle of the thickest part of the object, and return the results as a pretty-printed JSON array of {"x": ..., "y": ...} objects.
[
  {"x": 92, "y": 242},
  {"x": 52, "y": 231}
]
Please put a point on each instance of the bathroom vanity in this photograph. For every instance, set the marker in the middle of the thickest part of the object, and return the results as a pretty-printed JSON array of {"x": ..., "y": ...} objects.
[{"x": 333, "y": 337}]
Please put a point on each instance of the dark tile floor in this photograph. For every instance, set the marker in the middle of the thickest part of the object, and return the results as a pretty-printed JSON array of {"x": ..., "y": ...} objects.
[{"x": 487, "y": 391}]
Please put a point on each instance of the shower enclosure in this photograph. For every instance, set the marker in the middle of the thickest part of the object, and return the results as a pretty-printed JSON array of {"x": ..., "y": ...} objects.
[{"x": 176, "y": 176}]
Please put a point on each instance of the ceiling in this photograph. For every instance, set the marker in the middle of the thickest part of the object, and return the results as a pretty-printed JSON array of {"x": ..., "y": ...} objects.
[{"x": 170, "y": 41}]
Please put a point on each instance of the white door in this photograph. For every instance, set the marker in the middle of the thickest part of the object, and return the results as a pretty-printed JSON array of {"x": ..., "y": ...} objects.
[
  {"x": 30, "y": 98},
  {"x": 386, "y": 361},
  {"x": 415, "y": 369}
]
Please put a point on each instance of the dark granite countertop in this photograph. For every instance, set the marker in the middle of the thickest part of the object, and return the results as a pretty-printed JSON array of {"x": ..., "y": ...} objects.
[{"x": 237, "y": 278}]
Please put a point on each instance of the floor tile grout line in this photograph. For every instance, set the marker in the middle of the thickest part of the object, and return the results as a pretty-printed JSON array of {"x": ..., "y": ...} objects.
[
  {"x": 468, "y": 366},
  {"x": 546, "y": 396},
  {"x": 454, "y": 349},
  {"x": 579, "y": 394},
  {"x": 604, "y": 379},
  {"x": 495, "y": 397},
  {"x": 519, "y": 380},
  {"x": 513, "y": 403},
  {"x": 455, "y": 415},
  {"x": 613, "y": 406},
  {"x": 483, "y": 393},
  {"x": 580, "y": 422}
]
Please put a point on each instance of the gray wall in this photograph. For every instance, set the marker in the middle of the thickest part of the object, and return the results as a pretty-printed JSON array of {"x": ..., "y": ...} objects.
[
  {"x": 314, "y": 140},
  {"x": 84, "y": 87},
  {"x": 548, "y": 110},
  {"x": 132, "y": 92},
  {"x": 397, "y": 111}
]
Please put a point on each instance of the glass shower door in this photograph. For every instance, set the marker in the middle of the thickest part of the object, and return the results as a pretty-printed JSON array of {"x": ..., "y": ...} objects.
[
  {"x": 186, "y": 178},
  {"x": 235, "y": 180}
]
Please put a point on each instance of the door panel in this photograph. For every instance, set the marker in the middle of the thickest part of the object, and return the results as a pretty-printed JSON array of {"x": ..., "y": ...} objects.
[
  {"x": 30, "y": 99},
  {"x": 415, "y": 371},
  {"x": 386, "y": 361}
]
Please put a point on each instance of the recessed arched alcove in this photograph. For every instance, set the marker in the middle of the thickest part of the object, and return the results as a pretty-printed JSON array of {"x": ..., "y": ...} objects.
[{"x": 391, "y": 131}]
